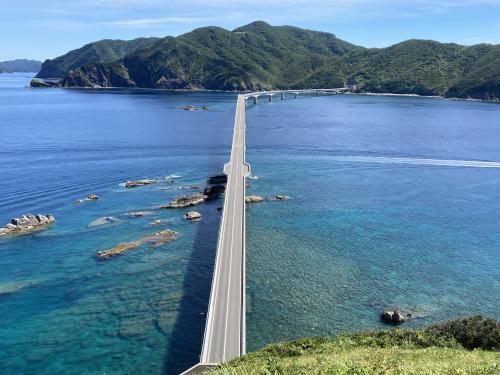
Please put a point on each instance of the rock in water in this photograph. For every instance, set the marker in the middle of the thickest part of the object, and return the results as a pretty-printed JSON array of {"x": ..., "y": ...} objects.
[
  {"x": 193, "y": 215},
  {"x": 36, "y": 82},
  {"x": 277, "y": 198},
  {"x": 92, "y": 197},
  {"x": 26, "y": 224},
  {"x": 186, "y": 201},
  {"x": 139, "y": 213},
  {"x": 135, "y": 183},
  {"x": 394, "y": 316},
  {"x": 253, "y": 199},
  {"x": 155, "y": 240}
]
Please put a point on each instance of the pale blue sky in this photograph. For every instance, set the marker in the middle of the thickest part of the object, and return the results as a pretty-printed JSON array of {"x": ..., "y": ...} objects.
[{"x": 46, "y": 29}]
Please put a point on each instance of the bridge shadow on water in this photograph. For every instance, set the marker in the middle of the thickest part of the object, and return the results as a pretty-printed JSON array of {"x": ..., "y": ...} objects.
[{"x": 187, "y": 336}]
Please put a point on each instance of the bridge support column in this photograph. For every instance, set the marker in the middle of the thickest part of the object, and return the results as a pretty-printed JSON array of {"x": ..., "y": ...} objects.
[
  {"x": 282, "y": 95},
  {"x": 296, "y": 94},
  {"x": 270, "y": 98},
  {"x": 317, "y": 93},
  {"x": 254, "y": 100}
]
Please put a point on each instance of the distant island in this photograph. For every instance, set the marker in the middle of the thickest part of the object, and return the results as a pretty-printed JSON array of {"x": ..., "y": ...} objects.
[
  {"x": 20, "y": 65},
  {"x": 259, "y": 56}
]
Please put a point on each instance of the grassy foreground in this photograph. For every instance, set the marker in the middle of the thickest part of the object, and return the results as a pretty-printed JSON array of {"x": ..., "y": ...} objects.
[{"x": 465, "y": 346}]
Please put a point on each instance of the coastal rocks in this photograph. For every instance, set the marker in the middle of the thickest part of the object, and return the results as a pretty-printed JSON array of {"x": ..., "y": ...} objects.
[
  {"x": 186, "y": 201},
  {"x": 218, "y": 179},
  {"x": 36, "y": 82},
  {"x": 139, "y": 213},
  {"x": 135, "y": 183},
  {"x": 253, "y": 199},
  {"x": 193, "y": 215},
  {"x": 214, "y": 191},
  {"x": 171, "y": 178},
  {"x": 277, "y": 198},
  {"x": 394, "y": 316},
  {"x": 103, "y": 221},
  {"x": 26, "y": 224},
  {"x": 194, "y": 108},
  {"x": 155, "y": 240},
  {"x": 90, "y": 197}
]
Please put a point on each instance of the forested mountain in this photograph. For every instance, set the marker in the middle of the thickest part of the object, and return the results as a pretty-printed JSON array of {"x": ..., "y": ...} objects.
[
  {"x": 20, "y": 65},
  {"x": 260, "y": 56},
  {"x": 103, "y": 51}
]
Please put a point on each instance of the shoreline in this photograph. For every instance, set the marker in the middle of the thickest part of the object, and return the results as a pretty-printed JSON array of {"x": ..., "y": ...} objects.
[{"x": 388, "y": 94}]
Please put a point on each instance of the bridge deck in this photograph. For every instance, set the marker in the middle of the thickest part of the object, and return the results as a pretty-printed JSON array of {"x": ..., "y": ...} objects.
[
  {"x": 225, "y": 327},
  {"x": 224, "y": 337}
]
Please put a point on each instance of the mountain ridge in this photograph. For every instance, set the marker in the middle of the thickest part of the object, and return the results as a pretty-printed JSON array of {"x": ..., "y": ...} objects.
[{"x": 259, "y": 56}]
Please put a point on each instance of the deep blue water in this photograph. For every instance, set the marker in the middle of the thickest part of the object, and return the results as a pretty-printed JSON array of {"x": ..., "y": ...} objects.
[{"x": 383, "y": 213}]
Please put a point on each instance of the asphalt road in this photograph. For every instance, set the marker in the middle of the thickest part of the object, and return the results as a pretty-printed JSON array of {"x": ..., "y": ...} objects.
[{"x": 225, "y": 327}]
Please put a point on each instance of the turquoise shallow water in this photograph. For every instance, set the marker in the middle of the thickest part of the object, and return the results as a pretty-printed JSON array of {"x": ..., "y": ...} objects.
[
  {"x": 66, "y": 311},
  {"x": 383, "y": 213}
]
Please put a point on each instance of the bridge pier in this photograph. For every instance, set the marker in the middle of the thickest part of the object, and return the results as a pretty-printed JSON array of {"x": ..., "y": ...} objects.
[
  {"x": 282, "y": 95},
  {"x": 296, "y": 95},
  {"x": 255, "y": 100},
  {"x": 270, "y": 98}
]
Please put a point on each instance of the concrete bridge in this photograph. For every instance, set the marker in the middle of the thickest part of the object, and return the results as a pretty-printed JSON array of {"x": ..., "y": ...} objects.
[{"x": 225, "y": 327}]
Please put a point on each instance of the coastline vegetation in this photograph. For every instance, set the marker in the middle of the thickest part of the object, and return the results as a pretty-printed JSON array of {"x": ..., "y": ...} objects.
[
  {"x": 462, "y": 346},
  {"x": 259, "y": 56}
]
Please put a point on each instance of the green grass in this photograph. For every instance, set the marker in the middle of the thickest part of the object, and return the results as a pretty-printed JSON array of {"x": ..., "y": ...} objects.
[{"x": 439, "y": 349}]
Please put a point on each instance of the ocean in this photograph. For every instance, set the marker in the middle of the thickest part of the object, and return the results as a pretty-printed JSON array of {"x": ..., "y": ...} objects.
[{"x": 393, "y": 203}]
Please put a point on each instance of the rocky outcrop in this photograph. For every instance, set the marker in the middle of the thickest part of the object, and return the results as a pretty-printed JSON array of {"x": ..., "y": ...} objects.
[
  {"x": 253, "y": 199},
  {"x": 90, "y": 197},
  {"x": 36, "y": 82},
  {"x": 214, "y": 191},
  {"x": 135, "y": 183},
  {"x": 139, "y": 213},
  {"x": 193, "y": 215},
  {"x": 26, "y": 224},
  {"x": 155, "y": 240},
  {"x": 194, "y": 108},
  {"x": 277, "y": 198},
  {"x": 394, "y": 316},
  {"x": 186, "y": 201}
]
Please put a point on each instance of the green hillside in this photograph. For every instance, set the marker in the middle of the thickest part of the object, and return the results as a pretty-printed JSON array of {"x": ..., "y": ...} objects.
[
  {"x": 260, "y": 56},
  {"x": 103, "y": 51},
  {"x": 465, "y": 346},
  {"x": 256, "y": 56}
]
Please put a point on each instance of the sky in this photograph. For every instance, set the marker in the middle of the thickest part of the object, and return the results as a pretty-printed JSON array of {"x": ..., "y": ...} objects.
[{"x": 37, "y": 29}]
